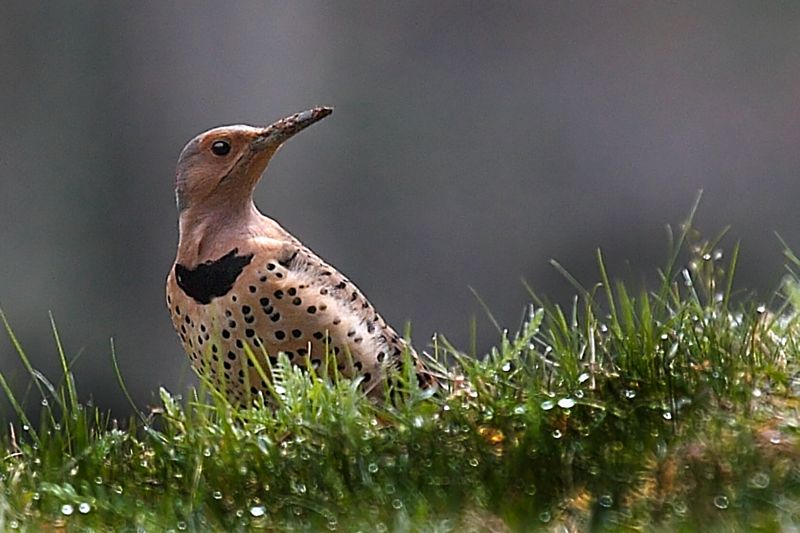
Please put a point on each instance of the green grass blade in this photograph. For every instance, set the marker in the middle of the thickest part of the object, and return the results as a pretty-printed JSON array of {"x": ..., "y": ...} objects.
[{"x": 72, "y": 395}]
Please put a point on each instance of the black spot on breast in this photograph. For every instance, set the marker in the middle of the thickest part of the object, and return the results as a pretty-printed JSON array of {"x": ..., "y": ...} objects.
[{"x": 211, "y": 279}]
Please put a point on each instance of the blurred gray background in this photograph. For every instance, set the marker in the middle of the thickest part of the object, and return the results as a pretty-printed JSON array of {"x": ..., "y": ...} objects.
[{"x": 471, "y": 143}]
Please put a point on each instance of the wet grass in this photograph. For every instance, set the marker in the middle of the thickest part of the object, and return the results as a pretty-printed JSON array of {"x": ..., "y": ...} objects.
[{"x": 674, "y": 409}]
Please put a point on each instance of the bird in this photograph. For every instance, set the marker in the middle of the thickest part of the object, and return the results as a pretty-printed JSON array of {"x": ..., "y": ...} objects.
[{"x": 242, "y": 289}]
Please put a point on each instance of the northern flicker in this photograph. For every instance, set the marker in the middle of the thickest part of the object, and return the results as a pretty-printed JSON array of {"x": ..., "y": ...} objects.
[{"x": 241, "y": 280}]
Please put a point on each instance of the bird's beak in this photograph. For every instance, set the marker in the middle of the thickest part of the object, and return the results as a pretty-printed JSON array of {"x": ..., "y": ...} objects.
[{"x": 277, "y": 133}]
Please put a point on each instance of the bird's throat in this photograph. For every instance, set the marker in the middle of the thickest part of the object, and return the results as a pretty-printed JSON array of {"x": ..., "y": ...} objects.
[{"x": 203, "y": 234}]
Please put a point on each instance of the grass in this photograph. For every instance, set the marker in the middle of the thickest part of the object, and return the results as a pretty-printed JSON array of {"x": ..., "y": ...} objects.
[{"x": 674, "y": 409}]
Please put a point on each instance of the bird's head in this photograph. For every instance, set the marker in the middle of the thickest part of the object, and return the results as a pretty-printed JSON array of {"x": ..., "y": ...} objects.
[{"x": 220, "y": 167}]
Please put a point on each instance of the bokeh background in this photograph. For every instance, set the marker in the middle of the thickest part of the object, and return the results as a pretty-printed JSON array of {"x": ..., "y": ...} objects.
[{"x": 471, "y": 143}]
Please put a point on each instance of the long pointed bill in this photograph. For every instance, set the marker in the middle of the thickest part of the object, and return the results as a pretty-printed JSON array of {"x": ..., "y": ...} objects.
[{"x": 275, "y": 134}]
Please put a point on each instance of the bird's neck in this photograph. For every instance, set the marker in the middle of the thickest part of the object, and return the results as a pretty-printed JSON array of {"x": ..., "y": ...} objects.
[{"x": 207, "y": 233}]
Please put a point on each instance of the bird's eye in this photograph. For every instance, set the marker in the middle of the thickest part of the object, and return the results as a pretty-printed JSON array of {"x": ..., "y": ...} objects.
[{"x": 221, "y": 148}]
